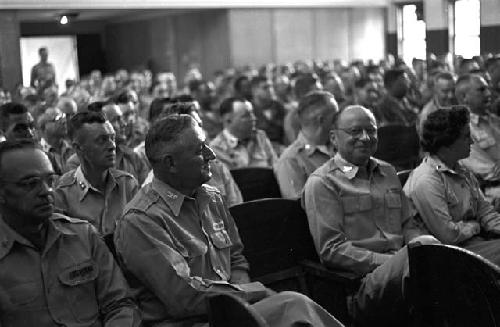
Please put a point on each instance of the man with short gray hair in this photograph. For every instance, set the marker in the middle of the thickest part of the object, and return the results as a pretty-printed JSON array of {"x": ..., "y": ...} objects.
[{"x": 179, "y": 243}]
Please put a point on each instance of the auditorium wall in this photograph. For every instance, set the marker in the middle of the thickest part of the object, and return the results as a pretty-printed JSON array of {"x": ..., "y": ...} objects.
[{"x": 284, "y": 35}]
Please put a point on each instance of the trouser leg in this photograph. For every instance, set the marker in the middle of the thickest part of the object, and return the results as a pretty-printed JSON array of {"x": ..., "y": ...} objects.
[
  {"x": 291, "y": 309},
  {"x": 381, "y": 298}
]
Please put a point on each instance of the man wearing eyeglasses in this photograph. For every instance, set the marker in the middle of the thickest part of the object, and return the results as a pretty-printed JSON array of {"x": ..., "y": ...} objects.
[
  {"x": 95, "y": 191},
  {"x": 54, "y": 270},
  {"x": 360, "y": 219}
]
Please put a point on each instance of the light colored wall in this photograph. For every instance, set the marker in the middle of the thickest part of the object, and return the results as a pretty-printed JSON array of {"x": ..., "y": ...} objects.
[
  {"x": 490, "y": 13},
  {"x": 283, "y": 35}
]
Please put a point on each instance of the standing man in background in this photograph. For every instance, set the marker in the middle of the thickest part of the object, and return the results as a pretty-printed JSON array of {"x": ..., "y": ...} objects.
[{"x": 43, "y": 74}]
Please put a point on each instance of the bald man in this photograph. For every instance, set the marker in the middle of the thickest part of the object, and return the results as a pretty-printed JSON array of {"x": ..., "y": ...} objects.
[{"x": 360, "y": 219}]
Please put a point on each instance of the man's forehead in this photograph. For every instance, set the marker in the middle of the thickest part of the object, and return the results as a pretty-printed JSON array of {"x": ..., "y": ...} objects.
[
  {"x": 98, "y": 128},
  {"x": 356, "y": 116},
  {"x": 23, "y": 162},
  {"x": 241, "y": 107}
]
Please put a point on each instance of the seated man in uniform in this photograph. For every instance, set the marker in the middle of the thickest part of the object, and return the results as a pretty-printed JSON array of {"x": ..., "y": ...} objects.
[
  {"x": 126, "y": 159},
  {"x": 178, "y": 242},
  {"x": 54, "y": 270},
  {"x": 311, "y": 148},
  {"x": 360, "y": 219},
  {"x": 94, "y": 191},
  {"x": 240, "y": 144}
]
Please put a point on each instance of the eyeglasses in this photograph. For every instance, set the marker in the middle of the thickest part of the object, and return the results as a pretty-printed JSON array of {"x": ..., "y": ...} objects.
[
  {"x": 34, "y": 183},
  {"x": 358, "y": 132}
]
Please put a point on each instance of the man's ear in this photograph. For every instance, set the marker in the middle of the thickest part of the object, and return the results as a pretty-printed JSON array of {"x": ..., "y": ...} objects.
[{"x": 169, "y": 164}]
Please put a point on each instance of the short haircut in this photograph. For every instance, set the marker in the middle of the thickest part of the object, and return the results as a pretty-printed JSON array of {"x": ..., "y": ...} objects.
[
  {"x": 304, "y": 84},
  {"x": 10, "y": 108},
  {"x": 391, "y": 76},
  {"x": 227, "y": 105},
  {"x": 238, "y": 82},
  {"x": 165, "y": 133},
  {"x": 42, "y": 49},
  {"x": 12, "y": 145},
  {"x": 444, "y": 75},
  {"x": 442, "y": 128},
  {"x": 311, "y": 105},
  {"x": 156, "y": 108},
  {"x": 257, "y": 80},
  {"x": 77, "y": 121}
]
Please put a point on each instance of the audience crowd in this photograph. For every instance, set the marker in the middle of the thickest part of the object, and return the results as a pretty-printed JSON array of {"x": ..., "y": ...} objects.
[{"x": 140, "y": 163}]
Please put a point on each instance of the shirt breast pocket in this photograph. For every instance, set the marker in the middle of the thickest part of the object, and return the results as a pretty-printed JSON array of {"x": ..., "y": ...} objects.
[
  {"x": 24, "y": 295},
  {"x": 78, "y": 284},
  {"x": 220, "y": 239},
  {"x": 358, "y": 222},
  {"x": 393, "y": 207}
]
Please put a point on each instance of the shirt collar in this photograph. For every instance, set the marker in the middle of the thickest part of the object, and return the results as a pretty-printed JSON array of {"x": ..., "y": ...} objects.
[
  {"x": 350, "y": 170},
  {"x": 309, "y": 149},
  {"x": 476, "y": 119},
  {"x": 8, "y": 236},
  {"x": 171, "y": 196},
  {"x": 84, "y": 185},
  {"x": 231, "y": 140},
  {"x": 440, "y": 166},
  {"x": 174, "y": 199}
]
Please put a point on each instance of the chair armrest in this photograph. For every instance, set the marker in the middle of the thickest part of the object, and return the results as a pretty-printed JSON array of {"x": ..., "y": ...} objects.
[{"x": 316, "y": 269}]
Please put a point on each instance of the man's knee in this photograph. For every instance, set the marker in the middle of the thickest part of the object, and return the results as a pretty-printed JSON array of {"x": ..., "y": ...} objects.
[{"x": 425, "y": 240}]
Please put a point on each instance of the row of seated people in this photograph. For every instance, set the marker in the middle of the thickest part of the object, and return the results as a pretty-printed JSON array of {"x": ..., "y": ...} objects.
[{"x": 97, "y": 142}]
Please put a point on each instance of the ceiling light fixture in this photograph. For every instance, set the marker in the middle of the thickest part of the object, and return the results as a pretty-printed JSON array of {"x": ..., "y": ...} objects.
[{"x": 67, "y": 18}]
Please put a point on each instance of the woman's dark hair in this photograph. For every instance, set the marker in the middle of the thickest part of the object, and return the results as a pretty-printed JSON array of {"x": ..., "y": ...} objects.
[{"x": 443, "y": 127}]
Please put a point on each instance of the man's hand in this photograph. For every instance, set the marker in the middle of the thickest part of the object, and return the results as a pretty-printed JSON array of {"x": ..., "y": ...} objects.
[{"x": 239, "y": 277}]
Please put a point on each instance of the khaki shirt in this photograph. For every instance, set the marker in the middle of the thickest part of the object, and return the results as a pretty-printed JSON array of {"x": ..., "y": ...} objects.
[
  {"x": 448, "y": 200},
  {"x": 221, "y": 180},
  {"x": 296, "y": 163},
  {"x": 179, "y": 249},
  {"x": 357, "y": 224},
  {"x": 485, "y": 151},
  {"x": 258, "y": 152},
  {"x": 126, "y": 160},
  {"x": 73, "y": 282},
  {"x": 79, "y": 199}
]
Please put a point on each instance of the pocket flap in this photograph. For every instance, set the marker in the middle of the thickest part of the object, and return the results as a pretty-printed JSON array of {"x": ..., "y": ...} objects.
[
  {"x": 79, "y": 274},
  {"x": 221, "y": 239}
]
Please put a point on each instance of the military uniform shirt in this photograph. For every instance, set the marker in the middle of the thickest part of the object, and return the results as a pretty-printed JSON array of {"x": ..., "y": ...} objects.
[
  {"x": 357, "y": 224},
  {"x": 296, "y": 163},
  {"x": 79, "y": 199},
  {"x": 73, "y": 282}
]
